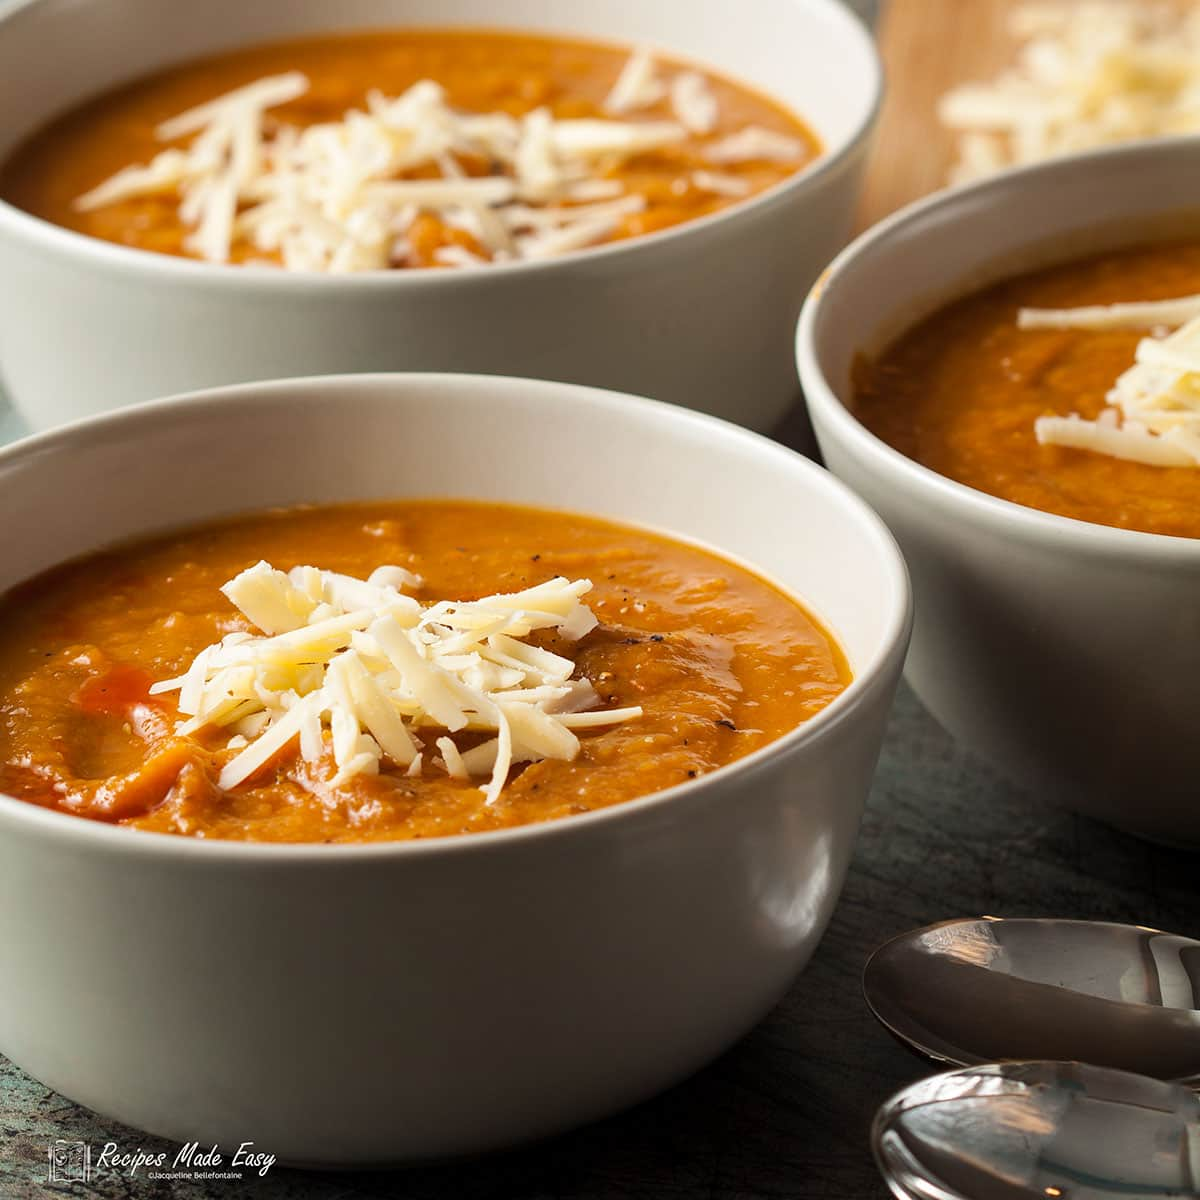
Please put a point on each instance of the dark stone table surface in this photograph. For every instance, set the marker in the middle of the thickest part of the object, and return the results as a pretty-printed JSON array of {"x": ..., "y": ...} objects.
[{"x": 785, "y": 1113}]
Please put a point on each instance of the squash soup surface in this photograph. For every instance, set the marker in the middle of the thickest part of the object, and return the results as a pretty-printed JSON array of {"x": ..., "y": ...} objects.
[
  {"x": 960, "y": 392},
  {"x": 481, "y": 71},
  {"x": 720, "y": 661}
]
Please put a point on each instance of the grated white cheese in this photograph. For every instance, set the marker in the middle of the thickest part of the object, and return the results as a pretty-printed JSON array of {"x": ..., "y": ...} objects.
[
  {"x": 694, "y": 102},
  {"x": 1127, "y": 441},
  {"x": 586, "y": 139},
  {"x": 337, "y": 197},
  {"x": 720, "y": 183},
  {"x": 452, "y": 759},
  {"x": 253, "y": 97},
  {"x": 754, "y": 144},
  {"x": 374, "y": 667},
  {"x": 638, "y": 85},
  {"x": 587, "y": 190},
  {"x": 1146, "y": 314},
  {"x": 566, "y": 238},
  {"x": 1087, "y": 73},
  {"x": 1154, "y": 416},
  {"x": 521, "y": 216}
]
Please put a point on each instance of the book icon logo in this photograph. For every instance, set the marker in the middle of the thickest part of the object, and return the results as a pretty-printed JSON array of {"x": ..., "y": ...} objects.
[{"x": 70, "y": 1162}]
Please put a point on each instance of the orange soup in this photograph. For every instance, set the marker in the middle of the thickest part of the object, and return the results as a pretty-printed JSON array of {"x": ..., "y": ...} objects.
[
  {"x": 626, "y": 663},
  {"x": 962, "y": 391},
  {"x": 539, "y": 145}
]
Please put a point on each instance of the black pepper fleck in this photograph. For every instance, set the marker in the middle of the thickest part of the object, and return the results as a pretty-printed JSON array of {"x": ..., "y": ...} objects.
[
  {"x": 727, "y": 724},
  {"x": 656, "y": 637}
]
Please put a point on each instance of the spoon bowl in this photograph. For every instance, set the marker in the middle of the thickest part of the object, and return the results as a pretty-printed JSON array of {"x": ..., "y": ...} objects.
[
  {"x": 974, "y": 991},
  {"x": 1011, "y": 1131}
]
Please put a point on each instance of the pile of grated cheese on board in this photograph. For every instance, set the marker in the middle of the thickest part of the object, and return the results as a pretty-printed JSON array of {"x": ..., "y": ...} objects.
[
  {"x": 334, "y": 197},
  {"x": 1088, "y": 73},
  {"x": 1154, "y": 413},
  {"x": 374, "y": 666}
]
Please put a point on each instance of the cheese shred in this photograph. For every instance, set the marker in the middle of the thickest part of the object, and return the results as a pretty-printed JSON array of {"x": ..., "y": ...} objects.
[
  {"x": 356, "y": 670},
  {"x": 1154, "y": 413},
  {"x": 341, "y": 196},
  {"x": 1087, "y": 73}
]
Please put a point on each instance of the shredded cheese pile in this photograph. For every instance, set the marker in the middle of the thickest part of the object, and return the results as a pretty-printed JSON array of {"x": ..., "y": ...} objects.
[
  {"x": 1088, "y": 73},
  {"x": 1154, "y": 416},
  {"x": 339, "y": 196},
  {"x": 376, "y": 667}
]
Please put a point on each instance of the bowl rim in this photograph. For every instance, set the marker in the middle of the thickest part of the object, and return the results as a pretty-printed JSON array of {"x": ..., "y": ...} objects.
[
  {"x": 92, "y": 835},
  {"x": 45, "y": 236},
  {"x": 1004, "y": 517}
]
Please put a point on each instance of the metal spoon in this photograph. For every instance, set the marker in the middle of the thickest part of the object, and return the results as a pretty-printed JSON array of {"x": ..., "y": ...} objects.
[
  {"x": 1040, "y": 1129},
  {"x": 985, "y": 989}
]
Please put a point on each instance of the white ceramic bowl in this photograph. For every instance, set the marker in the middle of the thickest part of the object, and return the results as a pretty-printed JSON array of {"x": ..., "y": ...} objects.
[
  {"x": 343, "y": 1004},
  {"x": 701, "y": 315},
  {"x": 1067, "y": 653}
]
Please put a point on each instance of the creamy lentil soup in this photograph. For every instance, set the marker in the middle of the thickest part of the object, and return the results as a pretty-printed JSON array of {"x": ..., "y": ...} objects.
[
  {"x": 676, "y": 143},
  {"x": 961, "y": 392},
  {"x": 694, "y": 662}
]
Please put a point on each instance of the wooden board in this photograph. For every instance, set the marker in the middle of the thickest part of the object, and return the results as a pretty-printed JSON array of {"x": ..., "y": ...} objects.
[{"x": 928, "y": 46}]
